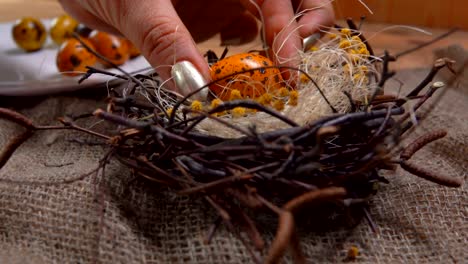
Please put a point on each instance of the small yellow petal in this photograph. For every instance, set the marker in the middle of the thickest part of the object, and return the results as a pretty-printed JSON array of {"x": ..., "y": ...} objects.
[
  {"x": 293, "y": 98},
  {"x": 346, "y": 31},
  {"x": 355, "y": 58},
  {"x": 364, "y": 69},
  {"x": 235, "y": 95},
  {"x": 265, "y": 99},
  {"x": 364, "y": 51},
  {"x": 216, "y": 102},
  {"x": 356, "y": 39},
  {"x": 346, "y": 68},
  {"x": 169, "y": 111},
  {"x": 304, "y": 78},
  {"x": 293, "y": 95},
  {"x": 283, "y": 92},
  {"x": 344, "y": 44},
  {"x": 278, "y": 105},
  {"x": 353, "y": 252},
  {"x": 360, "y": 78},
  {"x": 196, "y": 105},
  {"x": 352, "y": 51},
  {"x": 238, "y": 112},
  {"x": 357, "y": 77}
]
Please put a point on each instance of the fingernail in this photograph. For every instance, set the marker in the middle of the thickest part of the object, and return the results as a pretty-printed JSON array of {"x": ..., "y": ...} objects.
[
  {"x": 308, "y": 42},
  {"x": 188, "y": 79}
]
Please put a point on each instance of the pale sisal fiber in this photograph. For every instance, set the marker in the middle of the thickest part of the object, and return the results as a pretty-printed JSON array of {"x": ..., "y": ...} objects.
[
  {"x": 326, "y": 67},
  {"x": 418, "y": 222}
]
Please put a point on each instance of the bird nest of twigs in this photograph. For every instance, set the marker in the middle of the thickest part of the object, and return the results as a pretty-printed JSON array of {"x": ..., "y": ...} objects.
[{"x": 246, "y": 156}]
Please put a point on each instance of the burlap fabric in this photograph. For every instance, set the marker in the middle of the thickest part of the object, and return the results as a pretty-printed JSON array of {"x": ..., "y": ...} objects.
[{"x": 114, "y": 219}]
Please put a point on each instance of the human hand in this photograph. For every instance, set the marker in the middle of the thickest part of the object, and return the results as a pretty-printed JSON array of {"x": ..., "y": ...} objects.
[{"x": 165, "y": 31}]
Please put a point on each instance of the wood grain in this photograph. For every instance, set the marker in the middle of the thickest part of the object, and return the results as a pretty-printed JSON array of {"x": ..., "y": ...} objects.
[
  {"x": 11, "y": 10},
  {"x": 429, "y": 13}
]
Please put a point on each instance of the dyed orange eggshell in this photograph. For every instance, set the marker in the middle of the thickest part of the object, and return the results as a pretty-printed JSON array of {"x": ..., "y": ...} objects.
[
  {"x": 133, "y": 51},
  {"x": 110, "y": 46},
  {"x": 62, "y": 28},
  {"x": 73, "y": 57},
  {"x": 29, "y": 34},
  {"x": 250, "y": 84}
]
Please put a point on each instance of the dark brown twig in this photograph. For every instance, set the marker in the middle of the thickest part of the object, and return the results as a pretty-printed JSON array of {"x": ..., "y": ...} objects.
[
  {"x": 285, "y": 229},
  {"x": 12, "y": 145},
  {"x": 282, "y": 238},
  {"x": 314, "y": 196},
  {"x": 438, "y": 65},
  {"x": 429, "y": 175},
  {"x": 17, "y": 118},
  {"x": 420, "y": 142},
  {"x": 215, "y": 185},
  {"x": 353, "y": 26},
  {"x": 18, "y": 140}
]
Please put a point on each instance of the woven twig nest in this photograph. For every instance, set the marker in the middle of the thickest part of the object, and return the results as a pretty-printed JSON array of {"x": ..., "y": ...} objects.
[{"x": 323, "y": 142}]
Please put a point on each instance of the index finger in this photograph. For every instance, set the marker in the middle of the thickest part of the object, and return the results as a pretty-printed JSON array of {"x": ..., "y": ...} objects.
[
  {"x": 280, "y": 28},
  {"x": 284, "y": 29},
  {"x": 316, "y": 13}
]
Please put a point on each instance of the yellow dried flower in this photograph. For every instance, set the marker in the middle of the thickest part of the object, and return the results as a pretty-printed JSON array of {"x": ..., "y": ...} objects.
[
  {"x": 293, "y": 98},
  {"x": 292, "y": 102},
  {"x": 365, "y": 80},
  {"x": 265, "y": 99},
  {"x": 238, "y": 112},
  {"x": 357, "y": 77},
  {"x": 346, "y": 68},
  {"x": 353, "y": 252},
  {"x": 283, "y": 92},
  {"x": 235, "y": 95},
  {"x": 293, "y": 95},
  {"x": 346, "y": 31},
  {"x": 196, "y": 105},
  {"x": 356, "y": 39},
  {"x": 332, "y": 36},
  {"x": 361, "y": 45},
  {"x": 278, "y": 105},
  {"x": 169, "y": 111},
  {"x": 215, "y": 103},
  {"x": 304, "y": 78},
  {"x": 352, "y": 51},
  {"x": 363, "y": 51},
  {"x": 355, "y": 58},
  {"x": 360, "y": 78},
  {"x": 344, "y": 44},
  {"x": 364, "y": 69}
]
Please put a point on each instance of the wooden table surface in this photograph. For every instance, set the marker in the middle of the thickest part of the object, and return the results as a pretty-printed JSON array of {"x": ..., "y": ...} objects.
[{"x": 394, "y": 40}]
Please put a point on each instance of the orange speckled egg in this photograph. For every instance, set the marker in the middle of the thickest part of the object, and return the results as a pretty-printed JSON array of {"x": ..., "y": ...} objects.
[
  {"x": 62, "y": 28},
  {"x": 73, "y": 57},
  {"x": 29, "y": 34},
  {"x": 110, "y": 46},
  {"x": 250, "y": 84},
  {"x": 133, "y": 51}
]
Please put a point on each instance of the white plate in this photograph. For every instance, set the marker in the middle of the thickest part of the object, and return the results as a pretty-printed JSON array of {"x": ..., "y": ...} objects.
[{"x": 35, "y": 73}]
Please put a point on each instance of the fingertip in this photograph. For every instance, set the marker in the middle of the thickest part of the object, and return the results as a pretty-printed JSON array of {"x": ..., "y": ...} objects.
[
  {"x": 180, "y": 53},
  {"x": 316, "y": 18},
  {"x": 281, "y": 31},
  {"x": 162, "y": 38}
]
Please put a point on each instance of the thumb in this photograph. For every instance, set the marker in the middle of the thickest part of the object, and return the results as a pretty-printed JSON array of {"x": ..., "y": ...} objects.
[{"x": 156, "y": 29}]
